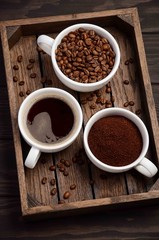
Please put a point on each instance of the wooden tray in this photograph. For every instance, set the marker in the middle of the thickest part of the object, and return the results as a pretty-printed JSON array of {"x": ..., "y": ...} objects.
[{"x": 94, "y": 189}]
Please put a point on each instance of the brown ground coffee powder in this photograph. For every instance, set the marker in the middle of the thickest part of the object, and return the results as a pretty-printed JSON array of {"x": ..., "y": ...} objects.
[{"x": 115, "y": 140}]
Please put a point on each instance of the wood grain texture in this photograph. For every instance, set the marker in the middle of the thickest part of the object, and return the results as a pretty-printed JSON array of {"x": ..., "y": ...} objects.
[{"x": 133, "y": 223}]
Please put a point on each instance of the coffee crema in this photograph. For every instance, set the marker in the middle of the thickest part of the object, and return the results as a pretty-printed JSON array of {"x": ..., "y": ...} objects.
[
  {"x": 50, "y": 120},
  {"x": 115, "y": 140}
]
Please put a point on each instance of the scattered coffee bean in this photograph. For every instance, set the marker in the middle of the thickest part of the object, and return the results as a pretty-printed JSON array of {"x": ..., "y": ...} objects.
[
  {"x": 19, "y": 58},
  {"x": 15, "y": 79},
  {"x": 21, "y": 94},
  {"x": 30, "y": 66},
  {"x": 90, "y": 98},
  {"x": 28, "y": 92},
  {"x": 126, "y": 82},
  {"x": 127, "y": 62},
  {"x": 65, "y": 173},
  {"x": 52, "y": 181},
  {"x": 126, "y": 104},
  {"x": 21, "y": 83},
  {"x": 93, "y": 106},
  {"x": 62, "y": 160},
  {"x": 98, "y": 93},
  {"x": 138, "y": 112},
  {"x": 33, "y": 75},
  {"x": 108, "y": 90},
  {"x": 16, "y": 67},
  {"x": 83, "y": 101},
  {"x": 61, "y": 169},
  {"x": 53, "y": 191},
  {"x": 131, "y": 103},
  {"x": 66, "y": 195},
  {"x": 67, "y": 163},
  {"x": 73, "y": 186},
  {"x": 59, "y": 165},
  {"x": 52, "y": 168},
  {"x": 44, "y": 180},
  {"x": 131, "y": 60},
  {"x": 31, "y": 60}
]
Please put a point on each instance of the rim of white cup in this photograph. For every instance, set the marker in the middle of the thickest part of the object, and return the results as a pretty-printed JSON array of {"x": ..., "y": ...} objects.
[
  {"x": 112, "y": 42},
  {"x": 121, "y": 112},
  {"x": 55, "y": 146}
]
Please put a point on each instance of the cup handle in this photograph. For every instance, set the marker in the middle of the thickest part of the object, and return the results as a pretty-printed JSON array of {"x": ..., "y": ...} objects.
[
  {"x": 45, "y": 43},
  {"x": 32, "y": 157},
  {"x": 146, "y": 167}
]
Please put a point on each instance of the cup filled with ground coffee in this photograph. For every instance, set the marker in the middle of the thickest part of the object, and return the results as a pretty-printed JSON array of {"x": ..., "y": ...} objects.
[
  {"x": 49, "y": 119},
  {"x": 116, "y": 140},
  {"x": 84, "y": 56}
]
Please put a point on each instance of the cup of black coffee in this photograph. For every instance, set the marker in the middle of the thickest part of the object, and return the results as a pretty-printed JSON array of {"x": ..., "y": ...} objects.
[
  {"x": 49, "y": 119},
  {"x": 116, "y": 140}
]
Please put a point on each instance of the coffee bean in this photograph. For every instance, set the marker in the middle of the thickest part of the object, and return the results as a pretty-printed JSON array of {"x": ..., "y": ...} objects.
[
  {"x": 131, "y": 60},
  {"x": 52, "y": 181},
  {"x": 28, "y": 92},
  {"x": 65, "y": 173},
  {"x": 44, "y": 180},
  {"x": 52, "y": 168},
  {"x": 19, "y": 58},
  {"x": 21, "y": 83},
  {"x": 16, "y": 67},
  {"x": 66, "y": 195},
  {"x": 83, "y": 101},
  {"x": 61, "y": 169},
  {"x": 30, "y": 66},
  {"x": 33, "y": 75},
  {"x": 73, "y": 186},
  {"x": 53, "y": 191},
  {"x": 126, "y": 82},
  {"x": 15, "y": 79},
  {"x": 138, "y": 112},
  {"x": 126, "y": 104},
  {"x": 127, "y": 62},
  {"x": 31, "y": 60},
  {"x": 131, "y": 103},
  {"x": 67, "y": 163},
  {"x": 93, "y": 106},
  {"x": 21, "y": 94}
]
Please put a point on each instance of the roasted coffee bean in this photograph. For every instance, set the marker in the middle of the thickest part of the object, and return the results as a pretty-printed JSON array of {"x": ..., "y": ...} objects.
[
  {"x": 52, "y": 168},
  {"x": 16, "y": 67},
  {"x": 108, "y": 89},
  {"x": 52, "y": 181},
  {"x": 28, "y": 92},
  {"x": 44, "y": 180},
  {"x": 61, "y": 169},
  {"x": 53, "y": 191},
  {"x": 126, "y": 104},
  {"x": 31, "y": 60},
  {"x": 93, "y": 106},
  {"x": 138, "y": 112},
  {"x": 21, "y": 83},
  {"x": 73, "y": 186},
  {"x": 19, "y": 58},
  {"x": 127, "y": 62},
  {"x": 30, "y": 66},
  {"x": 131, "y": 60},
  {"x": 21, "y": 94},
  {"x": 131, "y": 103},
  {"x": 67, "y": 163},
  {"x": 33, "y": 75},
  {"x": 83, "y": 101},
  {"x": 66, "y": 195},
  {"x": 126, "y": 82},
  {"x": 65, "y": 173},
  {"x": 15, "y": 79}
]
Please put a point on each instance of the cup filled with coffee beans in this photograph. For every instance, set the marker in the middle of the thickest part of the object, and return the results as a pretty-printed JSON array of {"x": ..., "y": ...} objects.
[
  {"x": 49, "y": 119},
  {"x": 116, "y": 140},
  {"x": 84, "y": 56}
]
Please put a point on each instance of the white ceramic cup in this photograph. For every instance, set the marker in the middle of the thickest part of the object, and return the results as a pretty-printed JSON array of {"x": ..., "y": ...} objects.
[
  {"x": 36, "y": 146},
  {"x": 141, "y": 164},
  {"x": 49, "y": 45}
]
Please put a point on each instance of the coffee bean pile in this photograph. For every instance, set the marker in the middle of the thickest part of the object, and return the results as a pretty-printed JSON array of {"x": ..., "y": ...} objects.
[{"x": 84, "y": 56}]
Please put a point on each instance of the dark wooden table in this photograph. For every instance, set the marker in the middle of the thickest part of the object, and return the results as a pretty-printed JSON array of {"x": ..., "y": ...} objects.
[{"x": 134, "y": 223}]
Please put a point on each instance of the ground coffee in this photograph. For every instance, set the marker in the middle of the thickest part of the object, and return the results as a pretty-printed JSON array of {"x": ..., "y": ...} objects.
[{"x": 115, "y": 140}]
